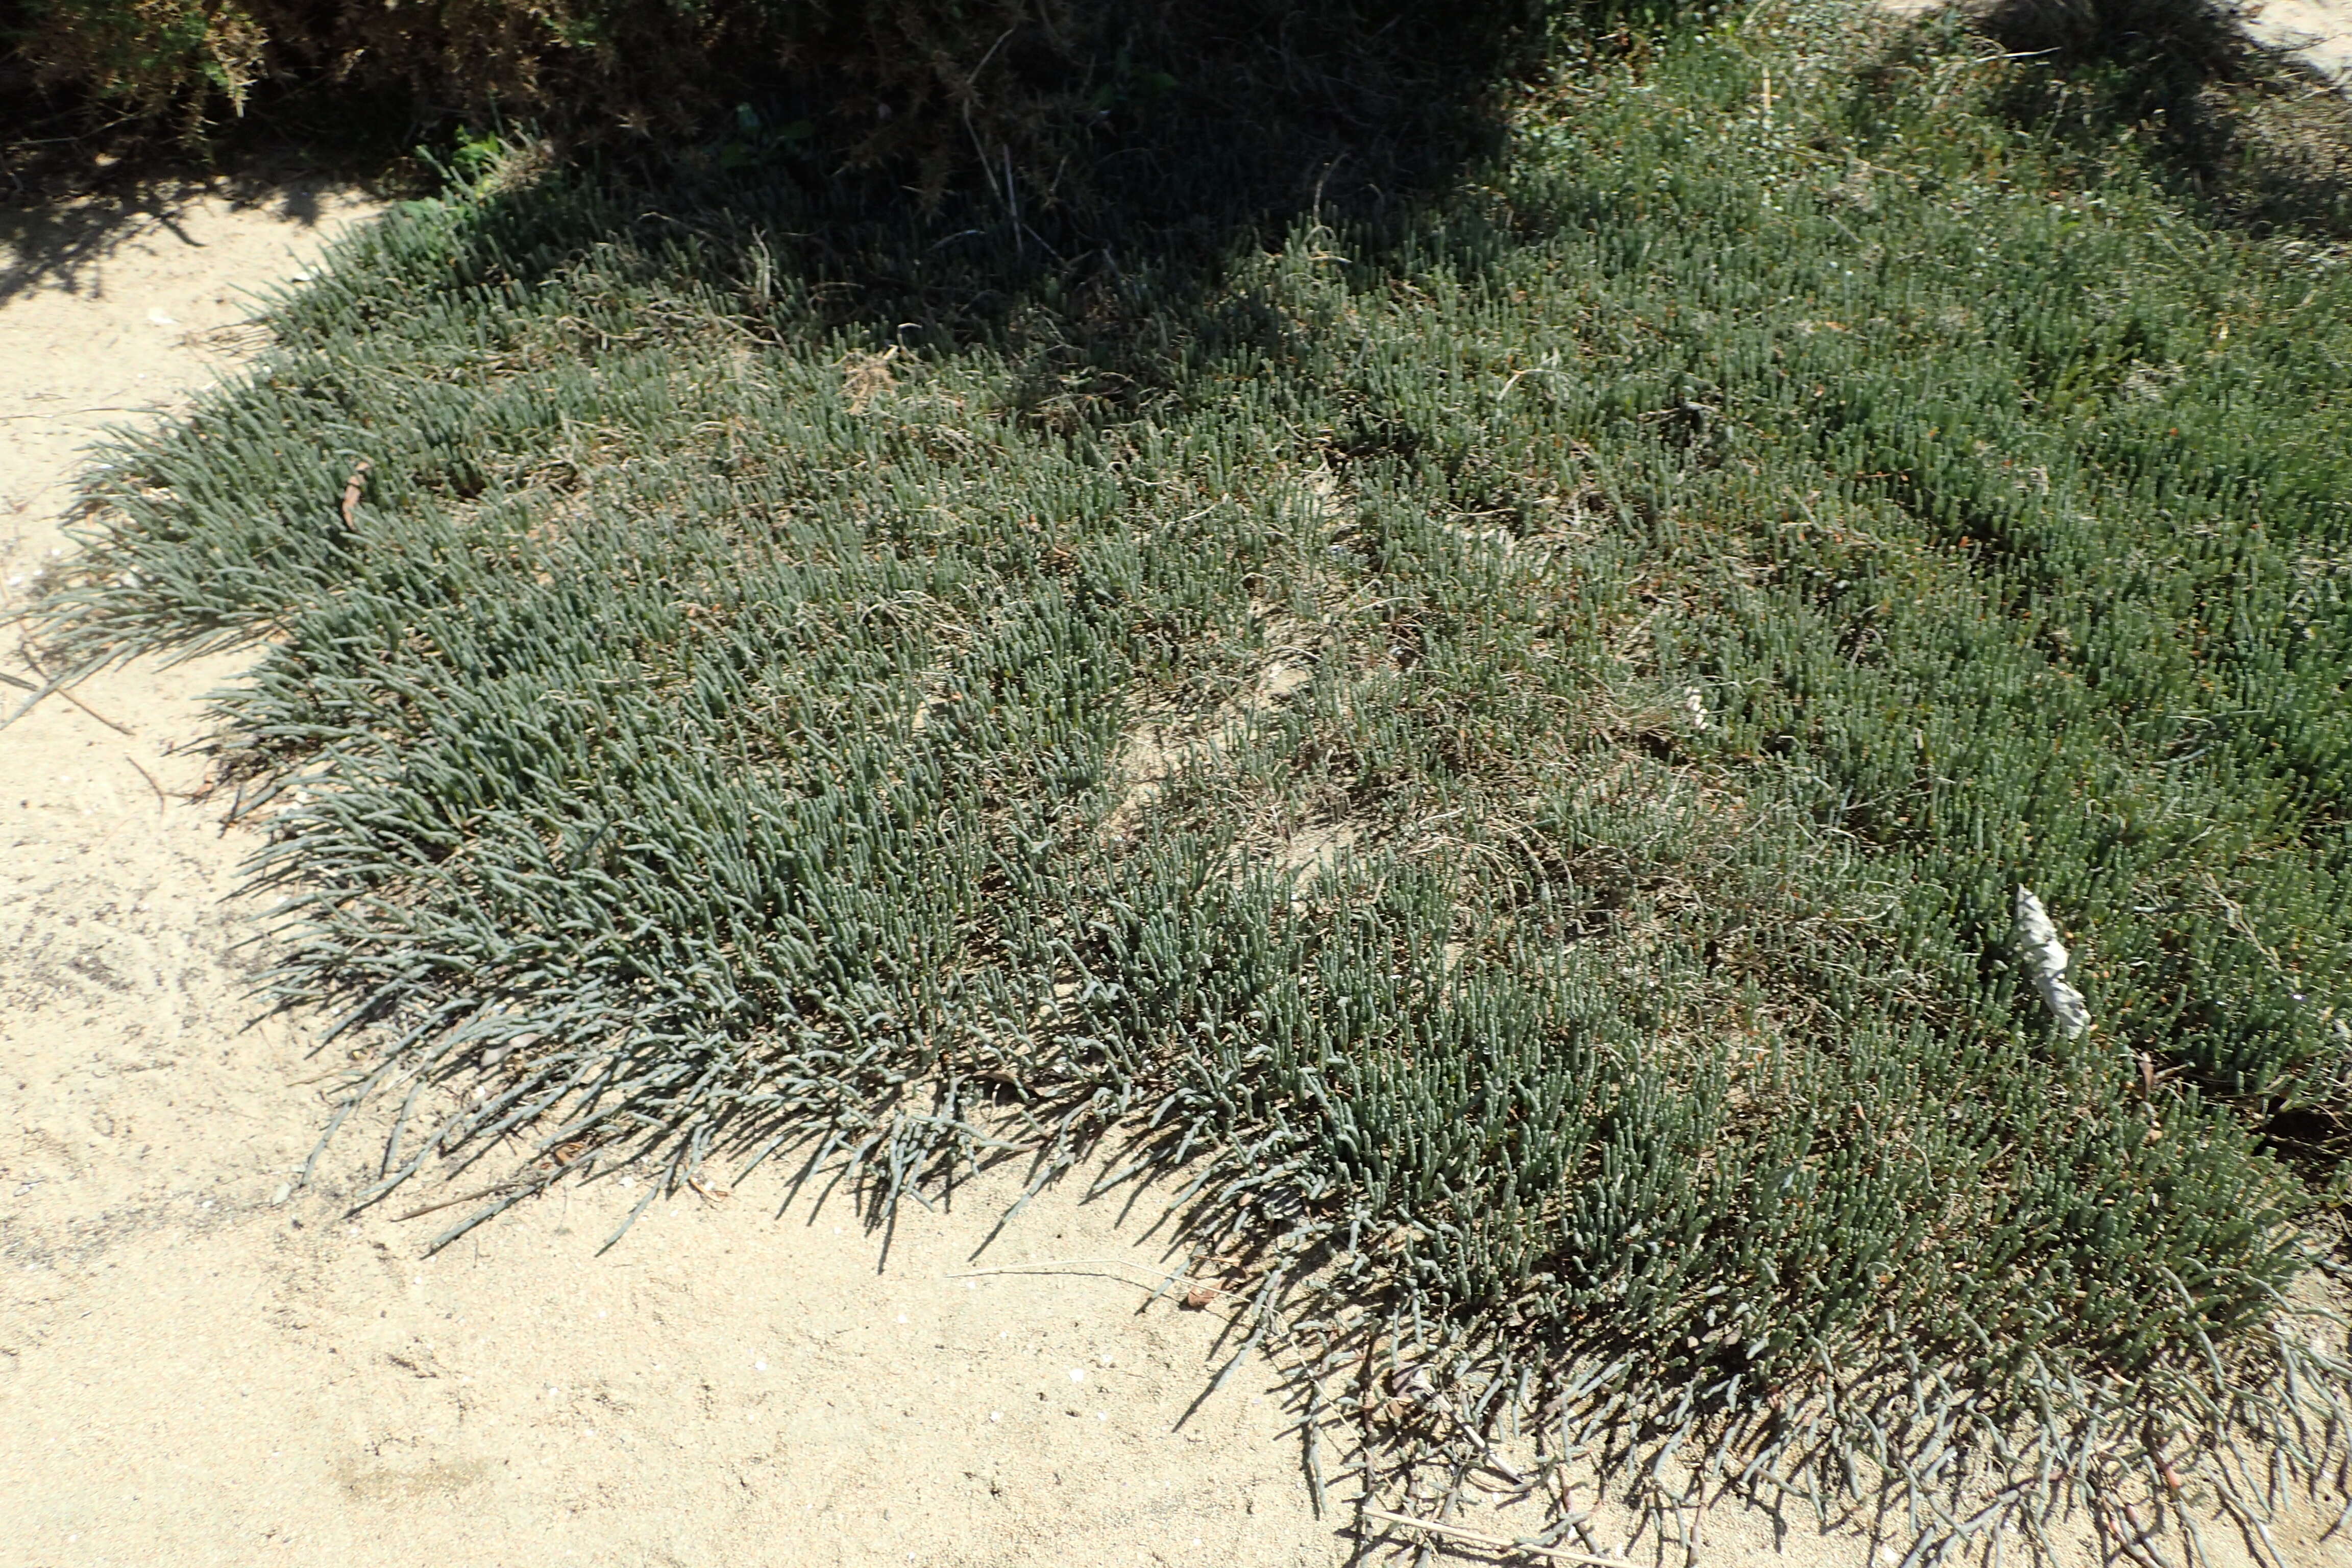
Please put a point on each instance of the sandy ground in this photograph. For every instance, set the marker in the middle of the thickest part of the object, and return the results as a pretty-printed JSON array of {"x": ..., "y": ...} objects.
[
  {"x": 2319, "y": 31},
  {"x": 193, "y": 1372}
]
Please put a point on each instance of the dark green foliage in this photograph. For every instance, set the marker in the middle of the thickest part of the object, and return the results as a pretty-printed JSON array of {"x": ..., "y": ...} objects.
[
  {"x": 1508, "y": 720},
  {"x": 1026, "y": 89},
  {"x": 141, "y": 53}
]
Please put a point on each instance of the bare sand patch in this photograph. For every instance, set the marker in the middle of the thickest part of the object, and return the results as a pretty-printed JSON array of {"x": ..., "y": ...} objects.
[{"x": 2318, "y": 32}]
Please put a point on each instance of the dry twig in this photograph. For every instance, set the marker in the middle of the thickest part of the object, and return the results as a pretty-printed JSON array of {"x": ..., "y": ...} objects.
[
  {"x": 352, "y": 488},
  {"x": 1501, "y": 1544}
]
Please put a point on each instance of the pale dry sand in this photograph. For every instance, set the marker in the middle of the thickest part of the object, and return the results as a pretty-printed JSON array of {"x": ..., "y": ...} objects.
[
  {"x": 2318, "y": 32},
  {"x": 194, "y": 1372}
]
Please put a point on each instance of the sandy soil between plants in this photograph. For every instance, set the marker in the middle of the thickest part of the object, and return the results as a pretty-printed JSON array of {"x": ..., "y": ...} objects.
[{"x": 193, "y": 1371}]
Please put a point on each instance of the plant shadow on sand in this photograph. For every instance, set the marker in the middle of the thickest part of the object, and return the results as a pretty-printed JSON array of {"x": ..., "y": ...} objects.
[
  {"x": 64, "y": 247},
  {"x": 76, "y": 186}
]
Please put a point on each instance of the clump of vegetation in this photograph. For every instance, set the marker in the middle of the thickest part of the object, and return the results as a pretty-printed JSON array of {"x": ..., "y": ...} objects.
[{"x": 1502, "y": 714}]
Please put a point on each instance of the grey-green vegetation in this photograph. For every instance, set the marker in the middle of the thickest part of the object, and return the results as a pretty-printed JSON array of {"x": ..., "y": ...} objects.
[{"x": 1496, "y": 728}]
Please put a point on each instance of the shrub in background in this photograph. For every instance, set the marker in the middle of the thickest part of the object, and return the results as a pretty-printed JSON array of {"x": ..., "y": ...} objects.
[
  {"x": 147, "y": 56},
  {"x": 940, "y": 81},
  {"x": 624, "y": 62}
]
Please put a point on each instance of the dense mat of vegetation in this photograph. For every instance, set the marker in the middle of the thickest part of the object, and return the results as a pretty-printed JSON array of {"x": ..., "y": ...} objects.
[{"x": 1506, "y": 714}]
